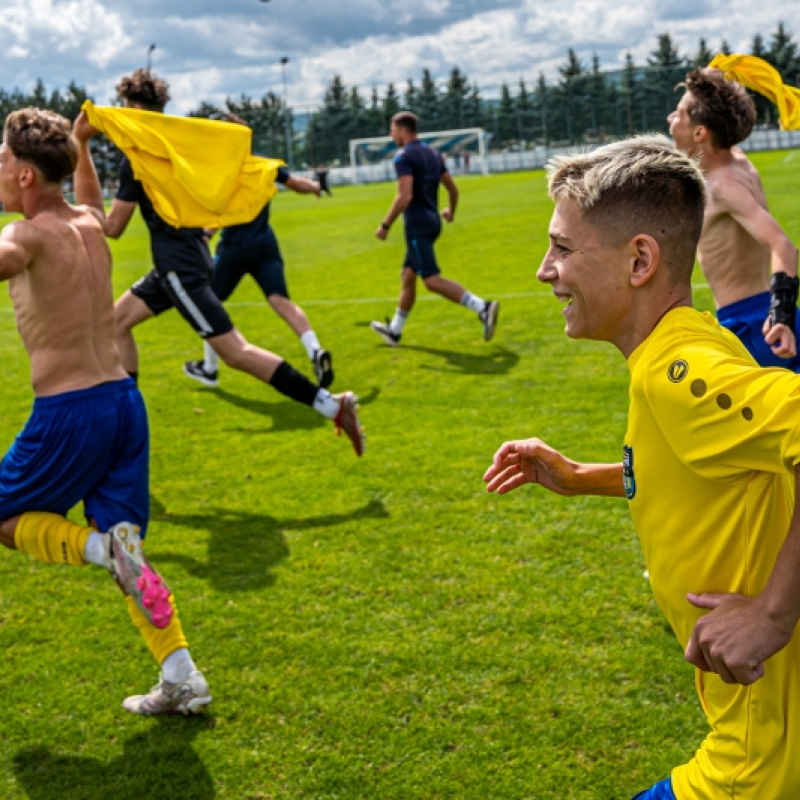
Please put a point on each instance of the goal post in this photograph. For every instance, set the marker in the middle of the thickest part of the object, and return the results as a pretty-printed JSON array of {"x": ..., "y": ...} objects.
[{"x": 464, "y": 150}]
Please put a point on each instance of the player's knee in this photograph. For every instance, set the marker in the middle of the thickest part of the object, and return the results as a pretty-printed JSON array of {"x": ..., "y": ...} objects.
[
  {"x": 235, "y": 356},
  {"x": 8, "y": 529},
  {"x": 433, "y": 283},
  {"x": 280, "y": 304}
]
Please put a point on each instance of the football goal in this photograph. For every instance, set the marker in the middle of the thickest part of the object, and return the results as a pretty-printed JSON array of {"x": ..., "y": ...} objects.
[{"x": 464, "y": 151}]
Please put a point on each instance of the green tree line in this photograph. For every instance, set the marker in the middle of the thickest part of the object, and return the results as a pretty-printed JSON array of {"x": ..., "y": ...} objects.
[{"x": 584, "y": 104}]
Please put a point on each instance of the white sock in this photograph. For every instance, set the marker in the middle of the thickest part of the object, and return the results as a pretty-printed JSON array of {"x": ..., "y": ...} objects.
[
  {"x": 398, "y": 321},
  {"x": 326, "y": 404},
  {"x": 177, "y": 666},
  {"x": 311, "y": 343},
  {"x": 473, "y": 302},
  {"x": 96, "y": 549},
  {"x": 210, "y": 358}
]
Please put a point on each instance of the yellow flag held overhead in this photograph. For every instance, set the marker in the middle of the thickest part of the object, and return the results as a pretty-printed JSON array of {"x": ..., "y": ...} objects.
[
  {"x": 198, "y": 173},
  {"x": 761, "y": 77}
]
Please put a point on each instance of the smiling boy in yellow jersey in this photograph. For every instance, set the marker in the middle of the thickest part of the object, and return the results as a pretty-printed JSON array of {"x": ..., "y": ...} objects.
[{"x": 712, "y": 448}]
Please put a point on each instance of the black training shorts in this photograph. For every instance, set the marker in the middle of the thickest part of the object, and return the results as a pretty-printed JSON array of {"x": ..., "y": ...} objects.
[{"x": 191, "y": 294}]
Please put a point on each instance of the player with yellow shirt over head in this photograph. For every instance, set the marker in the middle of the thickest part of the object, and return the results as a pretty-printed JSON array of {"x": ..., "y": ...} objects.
[{"x": 711, "y": 454}]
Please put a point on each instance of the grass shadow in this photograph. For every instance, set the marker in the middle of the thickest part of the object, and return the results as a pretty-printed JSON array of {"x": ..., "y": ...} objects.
[
  {"x": 244, "y": 548},
  {"x": 497, "y": 361},
  {"x": 158, "y": 762},
  {"x": 286, "y": 415}
]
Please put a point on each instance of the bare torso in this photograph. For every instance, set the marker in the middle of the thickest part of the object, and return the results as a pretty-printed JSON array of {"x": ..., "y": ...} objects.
[
  {"x": 63, "y": 301},
  {"x": 734, "y": 263}
]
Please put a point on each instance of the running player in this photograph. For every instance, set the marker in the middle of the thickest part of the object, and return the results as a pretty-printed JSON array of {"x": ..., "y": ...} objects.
[
  {"x": 253, "y": 249},
  {"x": 420, "y": 170},
  {"x": 712, "y": 452},
  {"x": 180, "y": 278},
  {"x": 87, "y": 438},
  {"x": 743, "y": 252}
]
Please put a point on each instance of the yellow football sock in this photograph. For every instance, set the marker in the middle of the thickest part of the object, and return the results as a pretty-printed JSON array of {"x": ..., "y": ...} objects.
[
  {"x": 160, "y": 641},
  {"x": 51, "y": 538}
]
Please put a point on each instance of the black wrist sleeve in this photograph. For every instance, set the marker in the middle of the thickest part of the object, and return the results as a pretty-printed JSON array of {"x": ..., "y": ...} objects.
[{"x": 783, "y": 300}]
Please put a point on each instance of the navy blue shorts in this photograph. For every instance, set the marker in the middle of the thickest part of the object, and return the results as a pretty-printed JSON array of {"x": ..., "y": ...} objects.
[
  {"x": 661, "y": 791},
  {"x": 91, "y": 445},
  {"x": 260, "y": 259},
  {"x": 746, "y": 318},
  {"x": 419, "y": 254}
]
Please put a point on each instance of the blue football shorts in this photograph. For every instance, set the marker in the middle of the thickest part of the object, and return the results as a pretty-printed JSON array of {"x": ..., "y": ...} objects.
[
  {"x": 746, "y": 318},
  {"x": 261, "y": 259},
  {"x": 91, "y": 445},
  {"x": 420, "y": 255},
  {"x": 661, "y": 791}
]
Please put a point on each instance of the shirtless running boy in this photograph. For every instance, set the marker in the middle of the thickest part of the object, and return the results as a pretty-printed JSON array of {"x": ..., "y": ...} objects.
[
  {"x": 748, "y": 260},
  {"x": 87, "y": 437}
]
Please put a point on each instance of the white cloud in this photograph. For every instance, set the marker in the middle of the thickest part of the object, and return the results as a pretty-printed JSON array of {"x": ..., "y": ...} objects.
[
  {"x": 209, "y": 50},
  {"x": 79, "y": 28}
]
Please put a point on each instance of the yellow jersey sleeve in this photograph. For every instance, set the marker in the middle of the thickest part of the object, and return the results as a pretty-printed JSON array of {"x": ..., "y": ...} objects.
[{"x": 723, "y": 416}]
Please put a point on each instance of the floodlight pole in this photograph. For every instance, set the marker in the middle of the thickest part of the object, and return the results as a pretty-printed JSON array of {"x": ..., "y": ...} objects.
[
  {"x": 149, "y": 52},
  {"x": 287, "y": 120}
]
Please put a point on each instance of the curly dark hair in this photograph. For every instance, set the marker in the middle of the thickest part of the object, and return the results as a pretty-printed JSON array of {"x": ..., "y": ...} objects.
[
  {"x": 43, "y": 138},
  {"x": 724, "y": 107},
  {"x": 144, "y": 88}
]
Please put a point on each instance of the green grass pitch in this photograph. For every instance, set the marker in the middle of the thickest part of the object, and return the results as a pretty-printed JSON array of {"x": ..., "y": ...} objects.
[{"x": 377, "y": 628}]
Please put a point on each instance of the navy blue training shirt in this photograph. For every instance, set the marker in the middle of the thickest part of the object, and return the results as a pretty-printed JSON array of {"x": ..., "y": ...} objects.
[
  {"x": 426, "y": 167},
  {"x": 252, "y": 232}
]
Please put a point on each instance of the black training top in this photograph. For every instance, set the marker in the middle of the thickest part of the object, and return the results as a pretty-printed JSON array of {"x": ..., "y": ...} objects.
[
  {"x": 173, "y": 249},
  {"x": 252, "y": 232},
  {"x": 426, "y": 167}
]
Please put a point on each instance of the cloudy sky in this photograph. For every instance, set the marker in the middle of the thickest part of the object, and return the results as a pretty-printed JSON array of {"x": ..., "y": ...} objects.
[{"x": 209, "y": 50}]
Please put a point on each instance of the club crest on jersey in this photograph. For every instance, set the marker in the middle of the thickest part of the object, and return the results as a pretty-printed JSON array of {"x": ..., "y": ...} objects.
[
  {"x": 678, "y": 370},
  {"x": 628, "y": 478}
]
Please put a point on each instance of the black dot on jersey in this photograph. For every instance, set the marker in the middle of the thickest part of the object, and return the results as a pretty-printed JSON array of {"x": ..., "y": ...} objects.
[
  {"x": 724, "y": 401},
  {"x": 747, "y": 413},
  {"x": 698, "y": 388}
]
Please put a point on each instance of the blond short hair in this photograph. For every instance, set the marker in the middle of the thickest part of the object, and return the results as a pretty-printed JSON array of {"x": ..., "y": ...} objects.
[{"x": 638, "y": 185}]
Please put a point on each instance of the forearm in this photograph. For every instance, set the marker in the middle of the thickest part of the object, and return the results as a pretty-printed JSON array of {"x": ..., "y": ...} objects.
[
  {"x": 782, "y": 592},
  {"x": 304, "y": 185},
  {"x": 603, "y": 480},
  {"x": 87, "y": 184},
  {"x": 784, "y": 258},
  {"x": 398, "y": 206},
  {"x": 453, "y": 201}
]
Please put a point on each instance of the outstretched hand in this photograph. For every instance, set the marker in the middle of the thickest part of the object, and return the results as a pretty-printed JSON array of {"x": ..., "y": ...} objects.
[
  {"x": 81, "y": 129},
  {"x": 735, "y": 638},
  {"x": 530, "y": 461}
]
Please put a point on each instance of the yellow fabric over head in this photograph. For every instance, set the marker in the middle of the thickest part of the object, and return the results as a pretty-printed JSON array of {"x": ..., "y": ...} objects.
[
  {"x": 761, "y": 77},
  {"x": 198, "y": 173}
]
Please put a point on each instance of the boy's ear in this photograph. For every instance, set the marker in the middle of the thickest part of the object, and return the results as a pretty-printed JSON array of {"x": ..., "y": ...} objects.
[{"x": 646, "y": 259}]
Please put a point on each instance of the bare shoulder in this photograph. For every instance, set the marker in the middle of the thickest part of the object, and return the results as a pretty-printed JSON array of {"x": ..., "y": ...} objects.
[
  {"x": 90, "y": 215},
  {"x": 22, "y": 233},
  {"x": 730, "y": 184}
]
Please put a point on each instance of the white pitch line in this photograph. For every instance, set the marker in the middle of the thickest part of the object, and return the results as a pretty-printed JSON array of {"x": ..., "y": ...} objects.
[
  {"x": 351, "y": 301},
  {"x": 393, "y": 299}
]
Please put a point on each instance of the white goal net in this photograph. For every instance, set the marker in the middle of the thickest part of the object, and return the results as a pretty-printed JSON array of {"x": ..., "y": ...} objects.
[{"x": 464, "y": 152}]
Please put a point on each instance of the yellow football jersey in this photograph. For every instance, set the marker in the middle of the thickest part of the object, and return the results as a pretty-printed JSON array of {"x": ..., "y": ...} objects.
[{"x": 710, "y": 454}]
